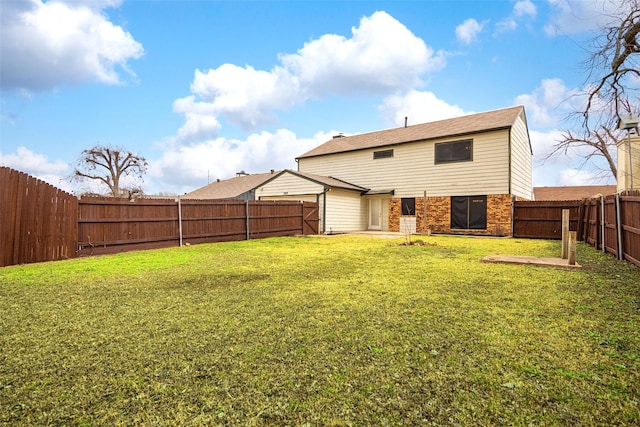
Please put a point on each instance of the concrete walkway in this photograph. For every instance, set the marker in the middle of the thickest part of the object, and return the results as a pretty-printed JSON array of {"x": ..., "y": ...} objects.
[{"x": 544, "y": 262}]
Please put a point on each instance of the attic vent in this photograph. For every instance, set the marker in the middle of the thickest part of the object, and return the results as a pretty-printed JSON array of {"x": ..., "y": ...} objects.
[{"x": 340, "y": 135}]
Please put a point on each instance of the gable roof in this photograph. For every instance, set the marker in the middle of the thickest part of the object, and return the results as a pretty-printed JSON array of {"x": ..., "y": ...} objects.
[
  {"x": 572, "y": 192},
  {"x": 327, "y": 181},
  {"x": 472, "y": 123},
  {"x": 230, "y": 188},
  {"x": 236, "y": 186}
]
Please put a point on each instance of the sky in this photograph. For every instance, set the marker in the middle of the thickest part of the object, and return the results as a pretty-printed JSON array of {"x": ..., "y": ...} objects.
[{"x": 204, "y": 89}]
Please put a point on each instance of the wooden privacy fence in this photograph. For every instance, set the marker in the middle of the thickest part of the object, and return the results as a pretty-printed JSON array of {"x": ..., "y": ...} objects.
[
  {"x": 543, "y": 219},
  {"x": 609, "y": 223},
  {"x": 107, "y": 225},
  {"x": 39, "y": 222}
]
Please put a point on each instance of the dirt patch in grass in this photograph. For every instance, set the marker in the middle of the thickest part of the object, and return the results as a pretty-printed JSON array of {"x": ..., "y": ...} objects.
[{"x": 340, "y": 331}]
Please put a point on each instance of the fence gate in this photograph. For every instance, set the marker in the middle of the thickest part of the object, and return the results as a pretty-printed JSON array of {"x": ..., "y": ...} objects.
[{"x": 311, "y": 218}]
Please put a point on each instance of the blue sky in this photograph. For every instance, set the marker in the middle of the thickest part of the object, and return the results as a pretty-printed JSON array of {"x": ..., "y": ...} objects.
[{"x": 203, "y": 89}]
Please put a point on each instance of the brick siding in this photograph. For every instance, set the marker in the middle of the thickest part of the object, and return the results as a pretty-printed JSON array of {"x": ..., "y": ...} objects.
[{"x": 438, "y": 218}]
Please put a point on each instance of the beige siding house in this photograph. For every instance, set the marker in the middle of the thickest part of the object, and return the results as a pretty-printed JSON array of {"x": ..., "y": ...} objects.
[
  {"x": 339, "y": 203},
  {"x": 470, "y": 168},
  {"x": 459, "y": 175}
]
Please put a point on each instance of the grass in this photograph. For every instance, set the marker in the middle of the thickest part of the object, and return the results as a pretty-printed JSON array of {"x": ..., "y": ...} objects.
[{"x": 336, "y": 331}]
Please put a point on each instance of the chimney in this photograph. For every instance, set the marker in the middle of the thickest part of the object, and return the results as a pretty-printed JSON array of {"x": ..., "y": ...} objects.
[{"x": 405, "y": 121}]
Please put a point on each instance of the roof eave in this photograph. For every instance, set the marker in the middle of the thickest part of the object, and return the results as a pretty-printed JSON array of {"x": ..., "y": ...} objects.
[{"x": 456, "y": 135}]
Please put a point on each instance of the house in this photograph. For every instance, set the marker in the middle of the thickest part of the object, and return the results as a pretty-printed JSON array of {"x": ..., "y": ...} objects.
[
  {"x": 572, "y": 192},
  {"x": 288, "y": 185},
  {"x": 458, "y": 175}
]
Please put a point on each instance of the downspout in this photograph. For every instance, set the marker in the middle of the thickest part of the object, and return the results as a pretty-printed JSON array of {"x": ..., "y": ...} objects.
[
  {"x": 324, "y": 209},
  {"x": 510, "y": 161},
  {"x": 513, "y": 198}
]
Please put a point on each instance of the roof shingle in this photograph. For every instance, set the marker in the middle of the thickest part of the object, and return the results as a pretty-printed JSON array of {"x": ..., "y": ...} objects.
[
  {"x": 572, "y": 192},
  {"x": 472, "y": 123},
  {"x": 230, "y": 188}
]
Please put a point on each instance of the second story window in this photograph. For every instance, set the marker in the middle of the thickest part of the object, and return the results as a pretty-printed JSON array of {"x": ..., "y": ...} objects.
[
  {"x": 456, "y": 151},
  {"x": 383, "y": 154}
]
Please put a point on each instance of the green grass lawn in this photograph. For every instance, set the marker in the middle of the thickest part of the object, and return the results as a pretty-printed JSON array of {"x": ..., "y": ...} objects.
[{"x": 312, "y": 331}]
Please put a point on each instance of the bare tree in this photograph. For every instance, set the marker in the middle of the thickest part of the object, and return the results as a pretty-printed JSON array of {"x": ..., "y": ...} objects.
[
  {"x": 614, "y": 62},
  {"x": 592, "y": 144},
  {"x": 610, "y": 90},
  {"x": 108, "y": 165}
]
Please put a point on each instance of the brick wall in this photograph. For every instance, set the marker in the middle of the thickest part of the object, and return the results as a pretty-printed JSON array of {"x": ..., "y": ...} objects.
[{"x": 438, "y": 218}]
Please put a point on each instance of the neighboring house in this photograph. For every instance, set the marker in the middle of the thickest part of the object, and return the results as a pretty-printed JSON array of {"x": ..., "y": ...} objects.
[
  {"x": 572, "y": 192},
  {"x": 629, "y": 165},
  {"x": 459, "y": 175},
  {"x": 241, "y": 187},
  {"x": 328, "y": 192},
  {"x": 470, "y": 168}
]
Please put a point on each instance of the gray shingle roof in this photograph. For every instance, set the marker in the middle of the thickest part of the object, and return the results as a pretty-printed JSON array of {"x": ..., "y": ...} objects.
[
  {"x": 472, "y": 123},
  {"x": 234, "y": 187},
  {"x": 230, "y": 188},
  {"x": 328, "y": 181},
  {"x": 572, "y": 192}
]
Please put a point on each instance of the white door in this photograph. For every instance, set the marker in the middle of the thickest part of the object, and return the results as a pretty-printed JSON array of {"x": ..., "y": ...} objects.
[{"x": 375, "y": 214}]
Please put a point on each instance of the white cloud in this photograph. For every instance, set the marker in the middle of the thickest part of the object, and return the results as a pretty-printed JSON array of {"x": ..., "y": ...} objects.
[
  {"x": 184, "y": 168},
  {"x": 507, "y": 24},
  {"x": 381, "y": 56},
  {"x": 468, "y": 31},
  {"x": 572, "y": 17},
  {"x": 577, "y": 177},
  {"x": 418, "y": 107},
  {"x": 542, "y": 143},
  {"x": 549, "y": 103},
  {"x": 525, "y": 8},
  {"x": 48, "y": 44},
  {"x": 33, "y": 163},
  {"x": 521, "y": 10},
  {"x": 244, "y": 95},
  {"x": 38, "y": 166}
]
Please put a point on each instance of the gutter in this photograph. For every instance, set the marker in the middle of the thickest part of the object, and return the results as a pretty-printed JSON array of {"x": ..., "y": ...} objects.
[{"x": 510, "y": 161}]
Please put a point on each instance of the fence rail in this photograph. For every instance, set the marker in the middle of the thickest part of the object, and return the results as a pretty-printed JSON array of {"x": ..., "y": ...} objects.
[
  {"x": 609, "y": 223},
  {"x": 39, "y": 222}
]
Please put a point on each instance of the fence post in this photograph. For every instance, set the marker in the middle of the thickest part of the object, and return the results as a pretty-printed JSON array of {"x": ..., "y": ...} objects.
[
  {"x": 247, "y": 216},
  {"x": 581, "y": 211},
  {"x": 180, "y": 220},
  {"x": 572, "y": 236},
  {"x": 604, "y": 247},
  {"x": 565, "y": 233},
  {"x": 619, "y": 228}
]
